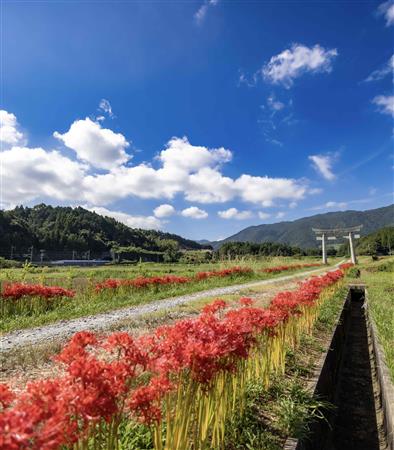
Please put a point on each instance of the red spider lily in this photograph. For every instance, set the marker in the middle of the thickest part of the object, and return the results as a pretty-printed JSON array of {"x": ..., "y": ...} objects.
[
  {"x": 246, "y": 301},
  {"x": 346, "y": 266},
  {"x": 215, "y": 306},
  {"x": 143, "y": 282},
  {"x": 6, "y": 396},
  {"x": 16, "y": 291},
  {"x": 145, "y": 401},
  {"x": 105, "y": 378}
]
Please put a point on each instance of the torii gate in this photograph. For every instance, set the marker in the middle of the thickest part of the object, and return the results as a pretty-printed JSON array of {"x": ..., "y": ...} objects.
[{"x": 332, "y": 234}]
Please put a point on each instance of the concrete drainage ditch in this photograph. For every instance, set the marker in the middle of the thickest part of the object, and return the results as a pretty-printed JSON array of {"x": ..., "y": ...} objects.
[{"x": 353, "y": 377}]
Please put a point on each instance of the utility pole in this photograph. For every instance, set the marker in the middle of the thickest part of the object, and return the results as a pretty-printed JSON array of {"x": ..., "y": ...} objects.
[
  {"x": 31, "y": 253},
  {"x": 12, "y": 251}
]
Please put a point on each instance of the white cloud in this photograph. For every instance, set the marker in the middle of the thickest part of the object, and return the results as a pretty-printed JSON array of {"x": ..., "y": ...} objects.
[
  {"x": 9, "y": 133},
  {"x": 194, "y": 213},
  {"x": 299, "y": 59},
  {"x": 209, "y": 186},
  {"x": 293, "y": 205},
  {"x": 381, "y": 73},
  {"x": 323, "y": 165},
  {"x": 274, "y": 104},
  {"x": 164, "y": 211},
  {"x": 181, "y": 155},
  {"x": 263, "y": 215},
  {"x": 105, "y": 106},
  {"x": 191, "y": 171},
  {"x": 145, "y": 222},
  {"x": 32, "y": 173},
  {"x": 280, "y": 215},
  {"x": 340, "y": 205},
  {"x": 233, "y": 213},
  {"x": 100, "y": 147},
  {"x": 385, "y": 104},
  {"x": 386, "y": 9},
  {"x": 263, "y": 190},
  {"x": 202, "y": 11}
]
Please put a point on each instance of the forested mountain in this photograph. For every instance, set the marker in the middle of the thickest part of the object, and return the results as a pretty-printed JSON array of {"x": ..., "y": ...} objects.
[
  {"x": 299, "y": 232},
  {"x": 65, "y": 228}
]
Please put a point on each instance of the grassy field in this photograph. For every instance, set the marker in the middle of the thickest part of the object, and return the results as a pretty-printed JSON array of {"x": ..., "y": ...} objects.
[
  {"x": 88, "y": 302},
  {"x": 379, "y": 278},
  {"x": 68, "y": 276}
]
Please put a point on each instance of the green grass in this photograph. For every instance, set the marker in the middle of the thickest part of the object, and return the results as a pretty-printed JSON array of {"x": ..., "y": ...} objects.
[
  {"x": 63, "y": 276},
  {"x": 379, "y": 278},
  {"x": 86, "y": 302}
]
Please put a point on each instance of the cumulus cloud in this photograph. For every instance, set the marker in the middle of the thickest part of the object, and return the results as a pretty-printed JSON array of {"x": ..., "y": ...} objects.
[
  {"x": 323, "y": 165},
  {"x": 195, "y": 172},
  {"x": 100, "y": 147},
  {"x": 386, "y": 9},
  {"x": 9, "y": 129},
  {"x": 202, "y": 11},
  {"x": 181, "y": 155},
  {"x": 263, "y": 190},
  {"x": 385, "y": 104},
  {"x": 194, "y": 213},
  {"x": 164, "y": 211},
  {"x": 233, "y": 213},
  {"x": 209, "y": 186},
  {"x": 280, "y": 215},
  {"x": 381, "y": 73},
  {"x": 32, "y": 173},
  {"x": 294, "y": 62},
  {"x": 145, "y": 222}
]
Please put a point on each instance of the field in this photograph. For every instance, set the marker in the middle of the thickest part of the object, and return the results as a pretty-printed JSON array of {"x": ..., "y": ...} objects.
[
  {"x": 214, "y": 373},
  {"x": 88, "y": 300}
]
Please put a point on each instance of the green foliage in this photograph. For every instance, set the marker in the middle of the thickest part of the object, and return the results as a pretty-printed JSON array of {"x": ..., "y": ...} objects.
[
  {"x": 196, "y": 257},
  {"x": 233, "y": 249},
  {"x": 8, "y": 264},
  {"x": 379, "y": 243},
  {"x": 66, "y": 228},
  {"x": 353, "y": 272},
  {"x": 135, "y": 436}
]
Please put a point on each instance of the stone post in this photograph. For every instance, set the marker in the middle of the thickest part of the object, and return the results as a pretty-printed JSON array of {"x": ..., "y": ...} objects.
[
  {"x": 323, "y": 248},
  {"x": 352, "y": 251}
]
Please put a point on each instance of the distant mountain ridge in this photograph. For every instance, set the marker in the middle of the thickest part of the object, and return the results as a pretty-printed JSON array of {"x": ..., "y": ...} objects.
[{"x": 299, "y": 232}]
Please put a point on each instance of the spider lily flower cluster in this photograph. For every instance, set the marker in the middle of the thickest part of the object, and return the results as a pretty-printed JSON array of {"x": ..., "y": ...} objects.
[
  {"x": 144, "y": 282},
  {"x": 26, "y": 298},
  {"x": 278, "y": 269},
  {"x": 183, "y": 380}
]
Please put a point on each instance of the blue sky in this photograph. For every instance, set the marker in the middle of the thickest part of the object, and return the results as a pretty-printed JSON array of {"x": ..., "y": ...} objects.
[{"x": 228, "y": 113}]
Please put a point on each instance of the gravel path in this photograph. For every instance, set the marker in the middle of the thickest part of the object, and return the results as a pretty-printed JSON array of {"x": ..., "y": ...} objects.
[{"x": 99, "y": 322}]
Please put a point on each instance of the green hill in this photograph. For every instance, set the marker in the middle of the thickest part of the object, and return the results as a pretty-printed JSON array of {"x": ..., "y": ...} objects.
[
  {"x": 299, "y": 232},
  {"x": 65, "y": 228}
]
